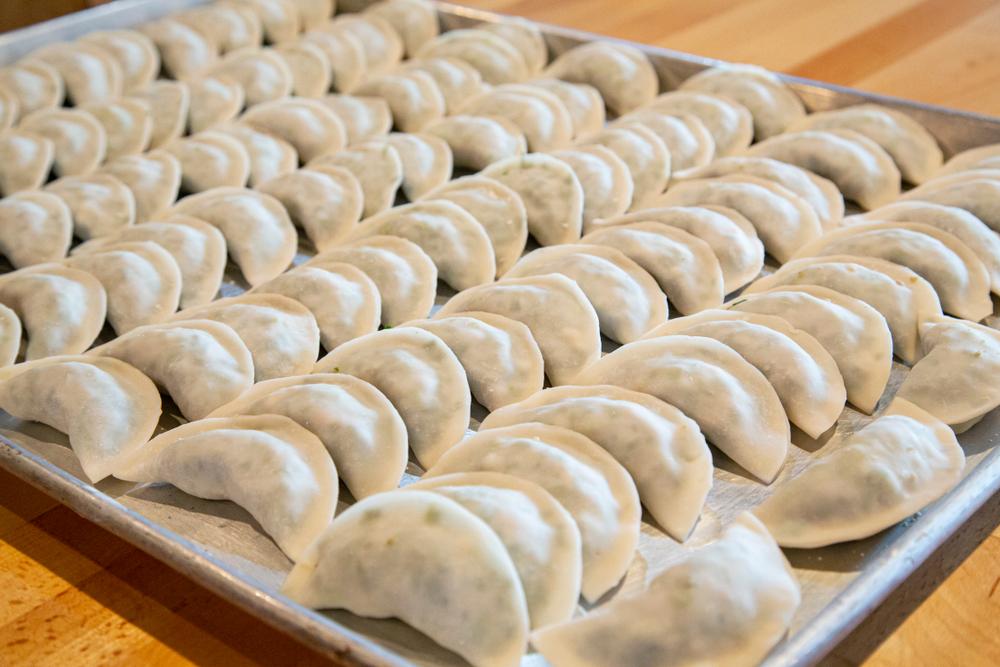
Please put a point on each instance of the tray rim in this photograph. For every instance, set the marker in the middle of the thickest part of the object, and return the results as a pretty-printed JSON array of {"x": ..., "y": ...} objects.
[{"x": 927, "y": 531}]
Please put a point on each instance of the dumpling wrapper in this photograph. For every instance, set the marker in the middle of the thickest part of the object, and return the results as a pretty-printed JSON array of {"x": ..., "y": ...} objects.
[
  {"x": 401, "y": 543},
  {"x": 560, "y": 317},
  {"x": 880, "y": 475},
  {"x": 270, "y": 466},
  {"x": 501, "y": 358},
  {"x": 355, "y": 421},
  {"x": 660, "y": 447},
  {"x": 201, "y": 364},
  {"x": 667, "y": 625},
  {"x": 594, "y": 488},
  {"x": 538, "y": 533},
  {"x": 420, "y": 375},
  {"x": 732, "y": 402},
  {"x": 107, "y": 408},
  {"x": 954, "y": 379}
]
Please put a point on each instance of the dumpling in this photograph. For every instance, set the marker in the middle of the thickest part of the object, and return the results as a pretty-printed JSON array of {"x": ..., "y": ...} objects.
[
  {"x": 313, "y": 13},
  {"x": 78, "y": 139},
  {"x": 355, "y": 422},
  {"x": 683, "y": 265},
  {"x": 376, "y": 166},
  {"x": 449, "y": 235},
  {"x": 310, "y": 68},
  {"x": 345, "y": 55},
  {"x": 415, "y": 21},
  {"x": 136, "y": 54},
  {"x": 405, "y": 276},
  {"x": 495, "y": 58},
  {"x": 494, "y": 206},
  {"x": 308, "y": 125},
  {"x": 980, "y": 157},
  {"x": 732, "y": 402},
  {"x": 324, "y": 201},
  {"x": 268, "y": 465},
  {"x": 821, "y": 194},
  {"x": 584, "y": 103},
  {"x": 730, "y": 236},
  {"x": 10, "y": 336},
  {"x": 420, "y": 375},
  {"x": 501, "y": 359},
  {"x": 127, "y": 123},
  {"x": 804, "y": 375},
  {"x": 201, "y": 364},
  {"x": 556, "y": 310},
  {"x": 262, "y": 73},
  {"x": 855, "y": 334},
  {"x": 457, "y": 79},
  {"x": 259, "y": 234},
  {"x": 383, "y": 48},
  {"x": 198, "y": 248},
  {"x": 344, "y": 301},
  {"x": 280, "y": 332},
  {"x": 540, "y": 115},
  {"x": 661, "y": 448},
  {"x": 859, "y": 167},
  {"x": 958, "y": 276},
  {"x": 605, "y": 179},
  {"x": 426, "y": 159},
  {"x": 476, "y": 142},
  {"x": 363, "y": 118},
  {"x": 954, "y": 379},
  {"x": 645, "y": 155},
  {"x": 210, "y": 159},
  {"x": 35, "y": 227},
  {"x": 269, "y": 155},
  {"x": 628, "y": 301},
  {"x": 729, "y": 121},
  {"x": 401, "y": 544},
  {"x": 774, "y": 106},
  {"x": 977, "y": 191},
  {"x": 279, "y": 18},
  {"x": 685, "y": 137},
  {"x": 667, "y": 625},
  {"x": 880, "y": 475},
  {"x": 214, "y": 101},
  {"x": 107, "y": 408},
  {"x": 228, "y": 25},
  {"x": 25, "y": 160},
  {"x": 901, "y": 296},
  {"x": 961, "y": 224},
  {"x": 141, "y": 279},
  {"x": 9, "y": 109},
  {"x": 413, "y": 96},
  {"x": 89, "y": 72},
  {"x": 913, "y": 149},
  {"x": 621, "y": 73},
  {"x": 538, "y": 533},
  {"x": 154, "y": 179},
  {"x": 183, "y": 50},
  {"x": 551, "y": 192},
  {"x": 526, "y": 37},
  {"x": 593, "y": 487},
  {"x": 783, "y": 220},
  {"x": 169, "y": 103},
  {"x": 61, "y": 309},
  {"x": 33, "y": 84}
]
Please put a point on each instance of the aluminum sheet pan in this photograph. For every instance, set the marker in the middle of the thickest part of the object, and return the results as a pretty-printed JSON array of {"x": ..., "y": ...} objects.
[{"x": 220, "y": 546}]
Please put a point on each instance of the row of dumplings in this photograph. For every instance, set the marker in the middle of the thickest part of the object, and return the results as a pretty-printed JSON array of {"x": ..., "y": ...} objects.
[{"x": 671, "y": 208}]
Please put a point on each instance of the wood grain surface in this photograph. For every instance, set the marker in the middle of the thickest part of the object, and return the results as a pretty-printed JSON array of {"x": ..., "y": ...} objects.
[{"x": 72, "y": 593}]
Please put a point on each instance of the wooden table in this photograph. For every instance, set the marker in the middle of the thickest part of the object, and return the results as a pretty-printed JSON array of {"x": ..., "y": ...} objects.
[{"x": 72, "y": 593}]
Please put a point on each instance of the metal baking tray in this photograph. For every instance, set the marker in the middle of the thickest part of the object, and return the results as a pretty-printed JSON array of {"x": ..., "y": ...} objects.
[{"x": 218, "y": 545}]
